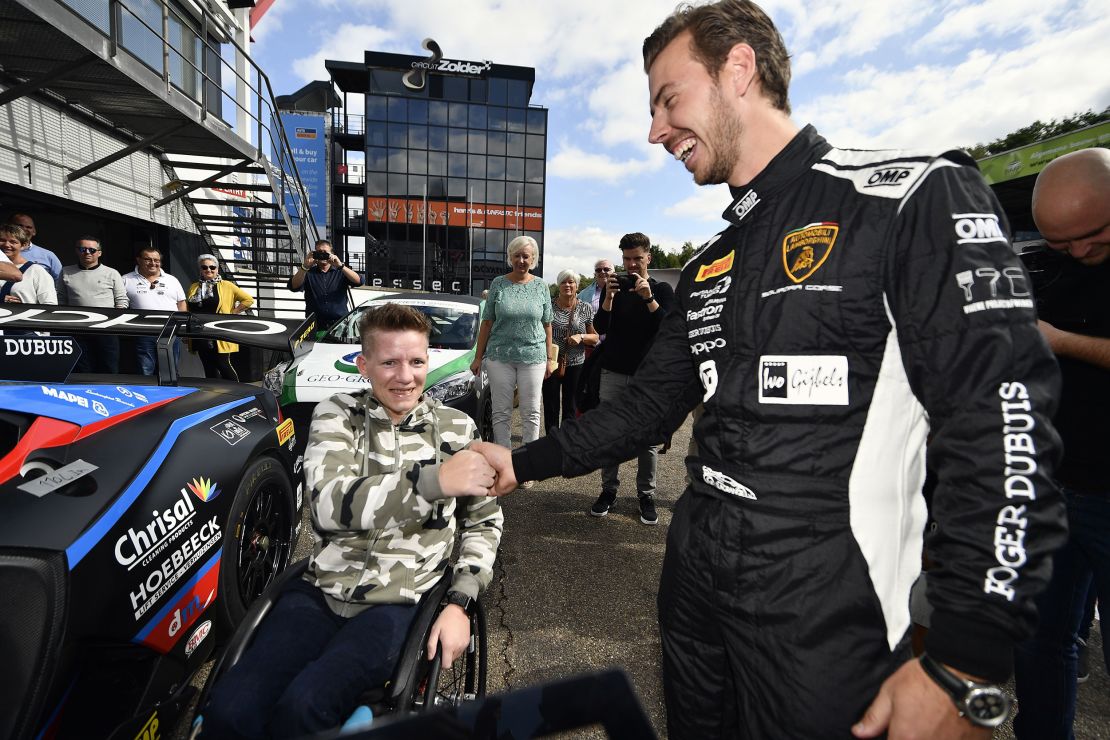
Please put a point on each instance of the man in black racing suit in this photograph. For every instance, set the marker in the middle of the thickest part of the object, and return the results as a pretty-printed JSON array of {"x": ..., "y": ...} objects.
[{"x": 857, "y": 302}]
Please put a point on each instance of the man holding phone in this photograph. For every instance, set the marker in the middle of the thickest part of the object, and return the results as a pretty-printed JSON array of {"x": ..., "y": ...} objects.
[
  {"x": 324, "y": 278},
  {"x": 629, "y": 316}
]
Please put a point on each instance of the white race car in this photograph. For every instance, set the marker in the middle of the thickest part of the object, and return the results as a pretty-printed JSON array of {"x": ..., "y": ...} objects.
[{"x": 329, "y": 367}]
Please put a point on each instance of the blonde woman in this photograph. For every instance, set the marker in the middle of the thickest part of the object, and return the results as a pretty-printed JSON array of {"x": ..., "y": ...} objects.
[
  {"x": 572, "y": 330},
  {"x": 213, "y": 294}
]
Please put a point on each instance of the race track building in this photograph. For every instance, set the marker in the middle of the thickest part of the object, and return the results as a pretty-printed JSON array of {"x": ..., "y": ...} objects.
[{"x": 454, "y": 162}]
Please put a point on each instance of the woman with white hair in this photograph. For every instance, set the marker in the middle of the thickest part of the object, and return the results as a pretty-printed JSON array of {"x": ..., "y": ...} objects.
[
  {"x": 572, "y": 330},
  {"x": 515, "y": 341},
  {"x": 213, "y": 294}
]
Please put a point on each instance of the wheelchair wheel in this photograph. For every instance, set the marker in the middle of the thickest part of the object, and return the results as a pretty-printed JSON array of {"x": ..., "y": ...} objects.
[{"x": 437, "y": 686}]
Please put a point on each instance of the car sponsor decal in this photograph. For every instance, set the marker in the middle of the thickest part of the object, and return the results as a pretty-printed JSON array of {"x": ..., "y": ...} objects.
[
  {"x": 179, "y": 561},
  {"x": 63, "y": 476},
  {"x": 95, "y": 533},
  {"x": 285, "y": 431},
  {"x": 84, "y": 404},
  {"x": 715, "y": 268},
  {"x": 204, "y": 489},
  {"x": 151, "y": 730},
  {"x": 172, "y": 622},
  {"x": 139, "y": 547},
  {"x": 804, "y": 250},
  {"x": 230, "y": 431},
  {"x": 197, "y": 637},
  {"x": 803, "y": 380},
  {"x": 346, "y": 363},
  {"x": 250, "y": 413}
]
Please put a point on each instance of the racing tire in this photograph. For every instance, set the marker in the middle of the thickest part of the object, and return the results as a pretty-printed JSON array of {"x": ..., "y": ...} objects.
[
  {"x": 258, "y": 539},
  {"x": 485, "y": 413}
]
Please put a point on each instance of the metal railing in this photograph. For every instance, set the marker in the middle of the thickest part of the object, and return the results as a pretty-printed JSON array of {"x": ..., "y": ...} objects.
[{"x": 348, "y": 123}]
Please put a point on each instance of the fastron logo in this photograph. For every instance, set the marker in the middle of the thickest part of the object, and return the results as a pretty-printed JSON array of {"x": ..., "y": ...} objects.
[
  {"x": 977, "y": 228},
  {"x": 204, "y": 489},
  {"x": 715, "y": 268}
]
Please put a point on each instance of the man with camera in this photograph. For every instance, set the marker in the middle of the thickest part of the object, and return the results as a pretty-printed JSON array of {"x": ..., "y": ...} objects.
[
  {"x": 629, "y": 316},
  {"x": 324, "y": 278}
]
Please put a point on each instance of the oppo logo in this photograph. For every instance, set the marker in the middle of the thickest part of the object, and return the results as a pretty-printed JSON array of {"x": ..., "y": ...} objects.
[{"x": 701, "y": 348}]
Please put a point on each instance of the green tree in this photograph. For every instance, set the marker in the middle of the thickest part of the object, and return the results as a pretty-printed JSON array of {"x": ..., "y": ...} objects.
[{"x": 1038, "y": 131}]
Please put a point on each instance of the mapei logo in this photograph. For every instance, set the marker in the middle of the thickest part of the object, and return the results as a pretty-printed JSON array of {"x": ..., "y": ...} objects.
[
  {"x": 204, "y": 489},
  {"x": 715, "y": 268},
  {"x": 804, "y": 250},
  {"x": 887, "y": 176},
  {"x": 977, "y": 228}
]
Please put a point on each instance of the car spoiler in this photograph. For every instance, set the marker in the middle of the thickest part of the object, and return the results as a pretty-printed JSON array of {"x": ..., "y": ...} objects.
[{"x": 280, "y": 335}]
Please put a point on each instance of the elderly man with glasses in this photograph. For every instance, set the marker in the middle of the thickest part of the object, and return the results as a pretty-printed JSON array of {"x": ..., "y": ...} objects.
[
  {"x": 592, "y": 293},
  {"x": 150, "y": 287},
  {"x": 89, "y": 283}
]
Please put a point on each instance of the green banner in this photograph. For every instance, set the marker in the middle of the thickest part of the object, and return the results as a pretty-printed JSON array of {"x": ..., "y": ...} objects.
[{"x": 1031, "y": 159}]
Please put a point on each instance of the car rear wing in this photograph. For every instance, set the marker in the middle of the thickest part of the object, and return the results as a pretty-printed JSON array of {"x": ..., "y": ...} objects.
[{"x": 281, "y": 335}]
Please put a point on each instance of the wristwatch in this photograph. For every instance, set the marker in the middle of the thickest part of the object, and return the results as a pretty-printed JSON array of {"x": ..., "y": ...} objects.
[
  {"x": 458, "y": 598},
  {"x": 649, "y": 299},
  {"x": 983, "y": 704}
]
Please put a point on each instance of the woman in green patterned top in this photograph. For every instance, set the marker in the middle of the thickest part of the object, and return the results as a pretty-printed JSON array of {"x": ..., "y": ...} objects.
[{"x": 514, "y": 340}]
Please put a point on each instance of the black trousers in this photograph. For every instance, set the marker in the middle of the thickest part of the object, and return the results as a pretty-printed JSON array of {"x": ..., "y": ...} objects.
[
  {"x": 552, "y": 403},
  {"x": 99, "y": 354},
  {"x": 216, "y": 364}
]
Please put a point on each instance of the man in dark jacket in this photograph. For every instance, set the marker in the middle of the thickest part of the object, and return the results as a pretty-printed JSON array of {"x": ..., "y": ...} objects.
[
  {"x": 629, "y": 316},
  {"x": 325, "y": 279},
  {"x": 856, "y": 303}
]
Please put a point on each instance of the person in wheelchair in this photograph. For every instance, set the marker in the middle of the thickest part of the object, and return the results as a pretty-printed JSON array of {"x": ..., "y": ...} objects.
[{"x": 383, "y": 468}]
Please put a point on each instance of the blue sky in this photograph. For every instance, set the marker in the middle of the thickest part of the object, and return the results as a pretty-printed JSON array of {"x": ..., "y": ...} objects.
[{"x": 921, "y": 74}]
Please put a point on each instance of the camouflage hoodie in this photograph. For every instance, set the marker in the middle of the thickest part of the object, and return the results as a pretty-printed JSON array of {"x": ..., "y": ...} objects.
[{"x": 383, "y": 529}]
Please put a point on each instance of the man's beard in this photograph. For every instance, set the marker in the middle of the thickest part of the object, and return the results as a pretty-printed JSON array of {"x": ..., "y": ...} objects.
[{"x": 724, "y": 131}]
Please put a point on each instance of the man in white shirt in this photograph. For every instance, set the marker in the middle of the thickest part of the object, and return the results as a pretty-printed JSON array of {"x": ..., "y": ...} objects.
[{"x": 150, "y": 288}]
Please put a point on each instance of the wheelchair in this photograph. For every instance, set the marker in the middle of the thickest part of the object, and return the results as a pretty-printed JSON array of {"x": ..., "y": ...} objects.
[{"x": 417, "y": 685}]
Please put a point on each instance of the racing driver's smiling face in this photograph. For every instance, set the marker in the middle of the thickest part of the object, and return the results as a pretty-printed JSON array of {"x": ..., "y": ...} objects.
[{"x": 396, "y": 364}]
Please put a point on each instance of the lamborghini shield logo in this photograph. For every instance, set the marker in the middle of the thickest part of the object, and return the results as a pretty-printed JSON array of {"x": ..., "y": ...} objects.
[
  {"x": 715, "y": 268},
  {"x": 806, "y": 249}
]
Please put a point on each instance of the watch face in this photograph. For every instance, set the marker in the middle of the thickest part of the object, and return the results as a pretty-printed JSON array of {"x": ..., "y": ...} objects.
[{"x": 987, "y": 706}]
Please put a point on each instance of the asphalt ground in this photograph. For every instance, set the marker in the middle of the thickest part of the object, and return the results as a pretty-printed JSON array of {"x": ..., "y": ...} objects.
[{"x": 574, "y": 593}]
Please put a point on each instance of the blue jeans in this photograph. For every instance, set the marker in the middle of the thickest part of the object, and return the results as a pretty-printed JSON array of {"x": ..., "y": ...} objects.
[
  {"x": 1045, "y": 665},
  {"x": 612, "y": 387},
  {"x": 306, "y": 668},
  {"x": 146, "y": 352}
]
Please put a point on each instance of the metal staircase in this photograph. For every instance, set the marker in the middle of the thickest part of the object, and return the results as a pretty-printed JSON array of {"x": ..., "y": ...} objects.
[{"x": 173, "y": 78}]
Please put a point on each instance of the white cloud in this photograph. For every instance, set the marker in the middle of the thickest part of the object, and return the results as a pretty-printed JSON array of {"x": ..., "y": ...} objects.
[
  {"x": 578, "y": 248},
  {"x": 347, "y": 43},
  {"x": 704, "y": 204},
  {"x": 576, "y": 164}
]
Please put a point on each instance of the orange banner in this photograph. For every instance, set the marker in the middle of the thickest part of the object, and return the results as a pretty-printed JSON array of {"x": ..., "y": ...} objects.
[{"x": 438, "y": 213}]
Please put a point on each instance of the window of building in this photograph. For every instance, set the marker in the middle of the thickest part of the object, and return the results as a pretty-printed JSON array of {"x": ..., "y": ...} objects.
[
  {"x": 437, "y": 187},
  {"x": 498, "y": 92},
  {"x": 375, "y": 108},
  {"x": 533, "y": 195},
  {"x": 514, "y": 168},
  {"x": 535, "y": 148},
  {"x": 458, "y": 115},
  {"x": 437, "y": 112},
  {"x": 398, "y": 184},
  {"x": 517, "y": 93},
  {"x": 388, "y": 81},
  {"x": 398, "y": 109},
  {"x": 376, "y": 159},
  {"x": 456, "y": 188},
  {"x": 457, "y": 140},
  {"x": 437, "y": 138},
  {"x": 517, "y": 118},
  {"x": 533, "y": 170},
  {"x": 479, "y": 91},
  {"x": 376, "y": 184},
  {"x": 476, "y": 166},
  {"x": 375, "y": 133},
  {"x": 418, "y": 162},
  {"x": 495, "y": 192},
  {"x": 437, "y": 163},
  {"x": 456, "y": 165},
  {"x": 398, "y": 135},
  {"x": 495, "y": 168},
  {"x": 537, "y": 121},
  {"x": 496, "y": 119},
  {"x": 476, "y": 142},
  {"x": 478, "y": 116},
  {"x": 418, "y": 113},
  {"x": 476, "y": 191},
  {"x": 418, "y": 137},
  {"x": 455, "y": 88},
  {"x": 514, "y": 146},
  {"x": 417, "y": 183},
  {"x": 495, "y": 142},
  {"x": 398, "y": 160},
  {"x": 514, "y": 193}
]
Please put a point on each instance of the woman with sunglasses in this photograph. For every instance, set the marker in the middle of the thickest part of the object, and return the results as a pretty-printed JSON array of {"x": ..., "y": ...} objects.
[{"x": 212, "y": 294}]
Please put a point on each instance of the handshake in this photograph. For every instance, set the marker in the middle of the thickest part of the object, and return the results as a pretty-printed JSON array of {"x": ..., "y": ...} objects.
[{"x": 482, "y": 469}]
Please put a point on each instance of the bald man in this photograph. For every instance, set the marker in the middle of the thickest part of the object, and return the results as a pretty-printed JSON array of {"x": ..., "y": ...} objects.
[{"x": 1071, "y": 206}]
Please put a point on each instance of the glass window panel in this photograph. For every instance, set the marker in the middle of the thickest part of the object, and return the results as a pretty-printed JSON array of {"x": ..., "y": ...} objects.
[
  {"x": 437, "y": 112},
  {"x": 376, "y": 183},
  {"x": 398, "y": 160},
  {"x": 514, "y": 169},
  {"x": 496, "y": 119},
  {"x": 387, "y": 80},
  {"x": 455, "y": 88},
  {"x": 476, "y": 191},
  {"x": 537, "y": 120},
  {"x": 458, "y": 114},
  {"x": 457, "y": 140},
  {"x": 398, "y": 135},
  {"x": 535, "y": 146},
  {"x": 456, "y": 165},
  {"x": 514, "y": 193},
  {"x": 376, "y": 158},
  {"x": 437, "y": 163},
  {"x": 477, "y": 116},
  {"x": 476, "y": 142},
  {"x": 437, "y": 138},
  {"x": 515, "y": 146},
  {"x": 418, "y": 162},
  {"x": 375, "y": 133},
  {"x": 476, "y": 166},
  {"x": 437, "y": 187},
  {"x": 498, "y": 93},
  {"x": 495, "y": 142},
  {"x": 375, "y": 107},
  {"x": 495, "y": 168},
  {"x": 533, "y": 195},
  {"x": 517, "y": 93},
  {"x": 416, "y": 186},
  {"x": 456, "y": 188},
  {"x": 398, "y": 185},
  {"x": 495, "y": 191},
  {"x": 418, "y": 137},
  {"x": 533, "y": 170},
  {"x": 516, "y": 118},
  {"x": 478, "y": 91},
  {"x": 418, "y": 113},
  {"x": 398, "y": 109}
]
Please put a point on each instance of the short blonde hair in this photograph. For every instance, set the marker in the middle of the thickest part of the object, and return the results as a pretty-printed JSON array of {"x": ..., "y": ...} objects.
[
  {"x": 564, "y": 274},
  {"x": 520, "y": 243}
]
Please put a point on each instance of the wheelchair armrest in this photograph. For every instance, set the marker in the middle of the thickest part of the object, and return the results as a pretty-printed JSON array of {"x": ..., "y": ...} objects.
[{"x": 413, "y": 649}]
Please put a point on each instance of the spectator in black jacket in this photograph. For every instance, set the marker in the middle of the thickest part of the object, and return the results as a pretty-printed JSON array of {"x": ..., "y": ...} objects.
[{"x": 324, "y": 278}]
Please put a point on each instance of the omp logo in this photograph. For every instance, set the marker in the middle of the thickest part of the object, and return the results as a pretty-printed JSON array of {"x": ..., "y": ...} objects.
[
  {"x": 745, "y": 205},
  {"x": 204, "y": 489},
  {"x": 888, "y": 176},
  {"x": 977, "y": 228},
  {"x": 715, "y": 268},
  {"x": 415, "y": 78},
  {"x": 721, "y": 287},
  {"x": 724, "y": 483}
]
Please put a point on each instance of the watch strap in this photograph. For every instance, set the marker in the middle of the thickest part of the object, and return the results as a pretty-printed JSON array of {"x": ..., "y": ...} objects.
[
  {"x": 649, "y": 299},
  {"x": 946, "y": 679},
  {"x": 458, "y": 598}
]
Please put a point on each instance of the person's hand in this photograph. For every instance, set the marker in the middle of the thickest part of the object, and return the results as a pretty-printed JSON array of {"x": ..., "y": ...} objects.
[
  {"x": 501, "y": 459},
  {"x": 452, "y": 630},
  {"x": 466, "y": 473},
  {"x": 1051, "y": 334},
  {"x": 476, "y": 366},
  {"x": 9, "y": 298},
  {"x": 334, "y": 260},
  {"x": 643, "y": 287},
  {"x": 912, "y": 705},
  {"x": 309, "y": 261},
  {"x": 547, "y": 370},
  {"x": 574, "y": 340}
]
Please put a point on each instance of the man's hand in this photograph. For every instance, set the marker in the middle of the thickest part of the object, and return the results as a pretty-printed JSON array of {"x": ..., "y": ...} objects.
[
  {"x": 1051, "y": 334},
  {"x": 308, "y": 261},
  {"x": 9, "y": 298},
  {"x": 466, "y": 473},
  {"x": 452, "y": 629},
  {"x": 334, "y": 260},
  {"x": 502, "y": 462},
  {"x": 911, "y": 705},
  {"x": 643, "y": 287}
]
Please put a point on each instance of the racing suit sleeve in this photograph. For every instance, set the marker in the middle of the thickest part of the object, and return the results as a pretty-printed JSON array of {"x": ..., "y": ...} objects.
[
  {"x": 480, "y": 526},
  {"x": 663, "y": 391},
  {"x": 966, "y": 325}
]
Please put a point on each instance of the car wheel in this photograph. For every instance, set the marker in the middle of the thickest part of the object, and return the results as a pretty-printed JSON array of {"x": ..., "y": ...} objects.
[
  {"x": 258, "y": 538},
  {"x": 486, "y": 427}
]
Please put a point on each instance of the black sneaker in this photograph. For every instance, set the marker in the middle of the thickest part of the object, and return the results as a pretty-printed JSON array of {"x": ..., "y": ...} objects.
[
  {"x": 1084, "y": 670},
  {"x": 603, "y": 504},
  {"x": 647, "y": 510}
]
